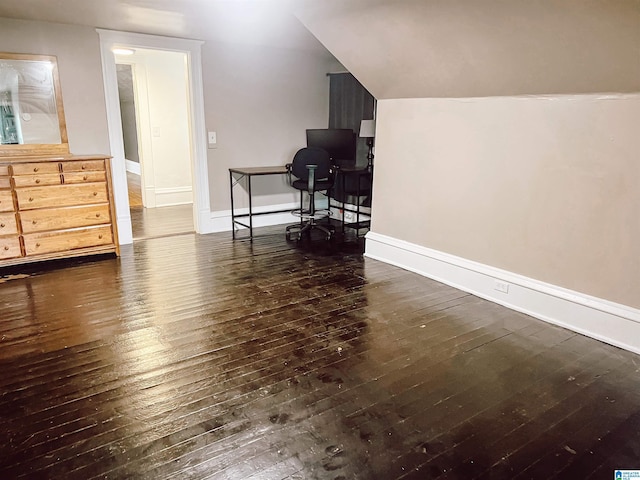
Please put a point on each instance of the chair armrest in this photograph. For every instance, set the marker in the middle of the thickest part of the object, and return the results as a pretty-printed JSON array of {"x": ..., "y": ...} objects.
[{"x": 289, "y": 167}]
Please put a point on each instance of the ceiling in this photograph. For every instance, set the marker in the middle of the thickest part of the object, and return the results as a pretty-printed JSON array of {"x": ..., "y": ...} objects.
[{"x": 253, "y": 22}]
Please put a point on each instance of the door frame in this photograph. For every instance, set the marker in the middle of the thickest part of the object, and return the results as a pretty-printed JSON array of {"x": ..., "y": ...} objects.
[{"x": 197, "y": 130}]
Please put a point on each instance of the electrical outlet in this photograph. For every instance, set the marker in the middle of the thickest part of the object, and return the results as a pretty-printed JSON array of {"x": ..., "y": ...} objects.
[
  {"x": 501, "y": 286},
  {"x": 212, "y": 138}
]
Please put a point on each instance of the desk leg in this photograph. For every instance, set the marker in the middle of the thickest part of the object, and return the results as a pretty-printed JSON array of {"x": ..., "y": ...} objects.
[
  {"x": 359, "y": 179},
  {"x": 233, "y": 218},
  {"x": 344, "y": 196},
  {"x": 250, "y": 209}
]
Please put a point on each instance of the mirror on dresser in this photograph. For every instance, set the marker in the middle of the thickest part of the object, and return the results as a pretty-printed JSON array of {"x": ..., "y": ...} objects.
[
  {"x": 32, "y": 118},
  {"x": 52, "y": 204}
]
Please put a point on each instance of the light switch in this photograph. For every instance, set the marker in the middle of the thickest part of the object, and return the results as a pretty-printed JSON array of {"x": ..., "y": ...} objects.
[
  {"x": 155, "y": 131},
  {"x": 212, "y": 139}
]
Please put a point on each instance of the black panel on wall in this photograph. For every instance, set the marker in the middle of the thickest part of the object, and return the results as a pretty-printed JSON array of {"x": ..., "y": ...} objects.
[{"x": 349, "y": 103}]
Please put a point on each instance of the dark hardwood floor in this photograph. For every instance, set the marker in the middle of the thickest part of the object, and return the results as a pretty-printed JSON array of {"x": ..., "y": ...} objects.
[{"x": 199, "y": 357}]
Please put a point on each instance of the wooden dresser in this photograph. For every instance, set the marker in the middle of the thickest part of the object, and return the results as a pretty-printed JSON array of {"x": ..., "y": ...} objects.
[{"x": 55, "y": 207}]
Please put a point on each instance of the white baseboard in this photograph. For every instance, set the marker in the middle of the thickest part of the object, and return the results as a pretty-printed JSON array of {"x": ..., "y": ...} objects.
[
  {"x": 133, "y": 167},
  {"x": 220, "y": 221},
  {"x": 204, "y": 222},
  {"x": 166, "y": 197},
  {"x": 603, "y": 320}
]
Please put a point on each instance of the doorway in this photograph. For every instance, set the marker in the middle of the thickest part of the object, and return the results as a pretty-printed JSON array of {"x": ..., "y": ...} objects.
[
  {"x": 200, "y": 210},
  {"x": 153, "y": 97}
]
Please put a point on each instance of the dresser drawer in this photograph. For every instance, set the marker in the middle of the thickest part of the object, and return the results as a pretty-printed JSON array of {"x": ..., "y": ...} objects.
[
  {"x": 8, "y": 224},
  {"x": 9, "y": 247},
  {"x": 84, "y": 177},
  {"x": 5, "y": 182},
  {"x": 32, "y": 168},
  {"x": 40, "y": 243},
  {"x": 62, "y": 195},
  {"x": 4, "y": 170},
  {"x": 37, "y": 180},
  {"x": 83, "y": 166},
  {"x": 6, "y": 201},
  {"x": 64, "y": 218}
]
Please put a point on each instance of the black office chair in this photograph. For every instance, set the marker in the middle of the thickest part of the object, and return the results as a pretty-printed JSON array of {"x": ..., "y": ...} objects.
[{"x": 311, "y": 172}]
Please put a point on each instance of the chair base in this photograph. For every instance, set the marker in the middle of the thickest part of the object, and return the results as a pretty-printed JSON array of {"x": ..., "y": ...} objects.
[{"x": 297, "y": 230}]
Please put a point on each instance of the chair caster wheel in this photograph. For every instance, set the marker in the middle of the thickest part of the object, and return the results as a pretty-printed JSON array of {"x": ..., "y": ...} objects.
[{"x": 289, "y": 236}]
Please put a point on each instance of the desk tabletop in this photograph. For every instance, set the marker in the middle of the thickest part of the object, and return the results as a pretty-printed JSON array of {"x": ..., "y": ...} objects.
[{"x": 273, "y": 170}]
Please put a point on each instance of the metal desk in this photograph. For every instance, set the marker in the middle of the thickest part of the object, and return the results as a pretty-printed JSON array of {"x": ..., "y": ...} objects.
[{"x": 250, "y": 172}]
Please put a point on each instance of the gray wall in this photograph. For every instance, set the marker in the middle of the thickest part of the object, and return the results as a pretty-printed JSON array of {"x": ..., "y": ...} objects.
[
  {"x": 128, "y": 112},
  {"x": 80, "y": 71},
  {"x": 260, "y": 100}
]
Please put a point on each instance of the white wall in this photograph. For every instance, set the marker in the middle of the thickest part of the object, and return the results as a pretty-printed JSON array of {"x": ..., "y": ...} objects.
[{"x": 160, "y": 80}]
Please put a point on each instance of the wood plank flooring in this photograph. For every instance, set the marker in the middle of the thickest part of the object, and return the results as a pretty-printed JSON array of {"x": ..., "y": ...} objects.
[
  {"x": 134, "y": 187},
  {"x": 194, "y": 356},
  {"x": 149, "y": 223},
  {"x": 156, "y": 222}
]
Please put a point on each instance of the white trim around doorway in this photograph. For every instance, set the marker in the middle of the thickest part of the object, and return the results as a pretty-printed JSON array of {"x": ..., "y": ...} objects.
[{"x": 192, "y": 48}]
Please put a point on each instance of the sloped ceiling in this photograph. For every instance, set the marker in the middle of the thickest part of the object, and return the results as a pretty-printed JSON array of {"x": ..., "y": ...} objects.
[{"x": 476, "y": 48}]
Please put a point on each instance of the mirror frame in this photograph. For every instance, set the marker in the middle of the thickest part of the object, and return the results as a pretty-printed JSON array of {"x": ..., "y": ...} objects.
[{"x": 61, "y": 148}]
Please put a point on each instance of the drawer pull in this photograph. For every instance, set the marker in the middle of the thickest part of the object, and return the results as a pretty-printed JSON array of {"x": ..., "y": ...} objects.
[
  {"x": 100, "y": 236},
  {"x": 6, "y": 248},
  {"x": 95, "y": 194},
  {"x": 97, "y": 215},
  {"x": 34, "y": 221},
  {"x": 36, "y": 169},
  {"x": 31, "y": 199},
  {"x": 2, "y": 225},
  {"x": 37, "y": 245},
  {"x": 84, "y": 177},
  {"x": 37, "y": 180},
  {"x": 84, "y": 167}
]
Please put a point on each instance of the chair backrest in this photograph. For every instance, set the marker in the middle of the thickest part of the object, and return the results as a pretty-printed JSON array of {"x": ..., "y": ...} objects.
[{"x": 311, "y": 156}]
